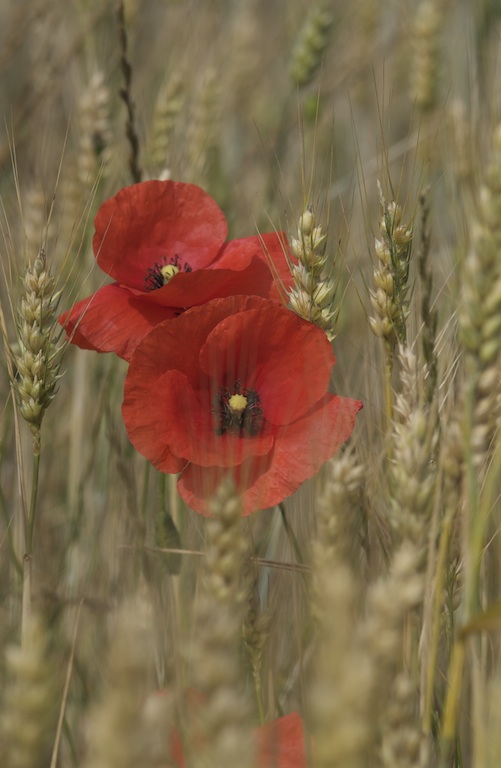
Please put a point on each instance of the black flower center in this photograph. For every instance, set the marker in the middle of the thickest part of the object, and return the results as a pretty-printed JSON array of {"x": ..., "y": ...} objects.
[
  {"x": 163, "y": 271},
  {"x": 238, "y": 411}
]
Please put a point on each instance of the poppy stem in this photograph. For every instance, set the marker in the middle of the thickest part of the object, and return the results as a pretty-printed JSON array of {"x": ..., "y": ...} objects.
[
  {"x": 144, "y": 491},
  {"x": 291, "y": 535},
  {"x": 388, "y": 369},
  {"x": 30, "y": 528}
]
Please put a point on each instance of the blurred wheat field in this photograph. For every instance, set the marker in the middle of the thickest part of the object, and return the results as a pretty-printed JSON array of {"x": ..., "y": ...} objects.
[{"x": 132, "y": 628}]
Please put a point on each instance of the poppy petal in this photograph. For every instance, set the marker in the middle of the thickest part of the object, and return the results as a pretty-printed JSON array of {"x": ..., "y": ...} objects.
[
  {"x": 300, "y": 449},
  {"x": 195, "y": 288},
  {"x": 281, "y": 743},
  {"x": 148, "y": 425},
  {"x": 241, "y": 268},
  {"x": 271, "y": 250},
  {"x": 197, "y": 484},
  {"x": 114, "y": 319},
  {"x": 153, "y": 222},
  {"x": 176, "y": 344},
  {"x": 287, "y": 360},
  {"x": 187, "y": 425}
]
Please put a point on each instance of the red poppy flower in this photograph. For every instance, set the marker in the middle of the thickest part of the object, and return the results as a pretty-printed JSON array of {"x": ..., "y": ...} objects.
[
  {"x": 163, "y": 242},
  {"x": 280, "y": 744},
  {"x": 237, "y": 386}
]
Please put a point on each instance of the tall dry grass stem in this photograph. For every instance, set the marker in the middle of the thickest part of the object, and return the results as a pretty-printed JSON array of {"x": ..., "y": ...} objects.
[
  {"x": 342, "y": 677},
  {"x": 429, "y": 314},
  {"x": 124, "y": 731},
  {"x": 218, "y": 733},
  {"x": 126, "y": 96},
  {"x": 480, "y": 324},
  {"x": 30, "y": 701},
  {"x": 426, "y": 45},
  {"x": 169, "y": 103},
  {"x": 95, "y": 136},
  {"x": 311, "y": 43}
]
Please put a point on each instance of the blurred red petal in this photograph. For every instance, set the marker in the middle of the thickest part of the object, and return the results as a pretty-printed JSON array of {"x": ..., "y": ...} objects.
[{"x": 281, "y": 744}]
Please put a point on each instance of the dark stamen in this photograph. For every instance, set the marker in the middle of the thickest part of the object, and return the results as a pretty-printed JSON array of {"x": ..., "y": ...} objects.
[
  {"x": 154, "y": 278},
  {"x": 245, "y": 423}
]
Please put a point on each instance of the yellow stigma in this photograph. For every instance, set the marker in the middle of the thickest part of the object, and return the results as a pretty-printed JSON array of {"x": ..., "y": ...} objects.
[
  {"x": 237, "y": 403},
  {"x": 168, "y": 272}
]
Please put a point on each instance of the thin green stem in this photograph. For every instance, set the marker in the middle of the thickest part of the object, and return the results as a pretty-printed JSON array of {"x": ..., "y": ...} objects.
[
  {"x": 259, "y": 695},
  {"x": 8, "y": 529},
  {"x": 162, "y": 493},
  {"x": 30, "y": 531},
  {"x": 436, "y": 619},
  {"x": 144, "y": 492},
  {"x": 455, "y": 678},
  {"x": 388, "y": 370},
  {"x": 33, "y": 502}
]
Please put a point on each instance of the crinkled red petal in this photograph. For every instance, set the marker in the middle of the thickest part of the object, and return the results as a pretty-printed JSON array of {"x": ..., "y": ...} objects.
[
  {"x": 114, "y": 319},
  {"x": 195, "y": 288},
  {"x": 299, "y": 451},
  {"x": 272, "y": 251},
  {"x": 288, "y": 361},
  {"x": 154, "y": 222},
  {"x": 176, "y": 344},
  {"x": 241, "y": 268},
  {"x": 146, "y": 416},
  {"x": 186, "y": 425}
]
